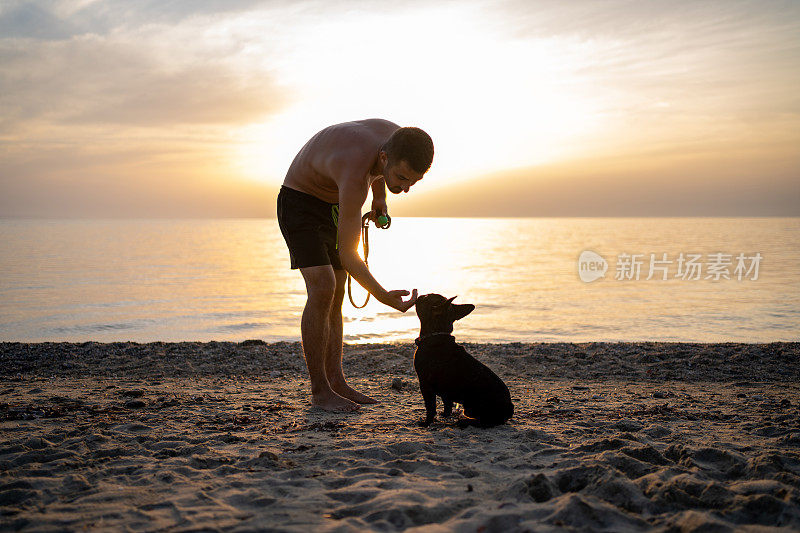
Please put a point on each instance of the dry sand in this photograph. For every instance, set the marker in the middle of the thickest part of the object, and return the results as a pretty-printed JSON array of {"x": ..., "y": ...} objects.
[{"x": 221, "y": 436}]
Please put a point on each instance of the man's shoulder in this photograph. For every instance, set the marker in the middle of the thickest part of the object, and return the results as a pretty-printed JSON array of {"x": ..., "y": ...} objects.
[{"x": 352, "y": 145}]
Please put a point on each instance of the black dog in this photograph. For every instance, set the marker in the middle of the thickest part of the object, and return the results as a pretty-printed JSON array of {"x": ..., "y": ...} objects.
[{"x": 445, "y": 369}]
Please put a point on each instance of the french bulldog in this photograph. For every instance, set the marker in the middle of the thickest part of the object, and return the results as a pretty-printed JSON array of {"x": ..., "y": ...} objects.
[{"x": 445, "y": 369}]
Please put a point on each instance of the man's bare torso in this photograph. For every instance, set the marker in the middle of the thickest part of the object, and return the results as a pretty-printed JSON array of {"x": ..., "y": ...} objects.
[{"x": 353, "y": 144}]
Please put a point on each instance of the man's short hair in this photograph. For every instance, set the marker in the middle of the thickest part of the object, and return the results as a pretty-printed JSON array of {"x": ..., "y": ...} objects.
[{"x": 411, "y": 145}]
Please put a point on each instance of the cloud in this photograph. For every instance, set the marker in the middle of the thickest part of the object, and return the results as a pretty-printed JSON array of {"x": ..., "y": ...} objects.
[
  {"x": 740, "y": 57},
  {"x": 683, "y": 21},
  {"x": 114, "y": 13},
  {"x": 97, "y": 81},
  {"x": 31, "y": 20},
  {"x": 62, "y": 19},
  {"x": 108, "y": 108},
  {"x": 106, "y": 16}
]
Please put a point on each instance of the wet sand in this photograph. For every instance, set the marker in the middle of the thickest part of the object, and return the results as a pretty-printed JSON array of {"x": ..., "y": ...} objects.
[{"x": 221, "y": 436}]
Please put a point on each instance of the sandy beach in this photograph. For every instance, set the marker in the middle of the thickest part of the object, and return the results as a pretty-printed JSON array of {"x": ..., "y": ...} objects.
[{"x": 222, "y": 437}]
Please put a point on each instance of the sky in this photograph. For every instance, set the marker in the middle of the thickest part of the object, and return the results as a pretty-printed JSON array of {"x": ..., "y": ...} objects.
[{"x": 195, "y": 108}]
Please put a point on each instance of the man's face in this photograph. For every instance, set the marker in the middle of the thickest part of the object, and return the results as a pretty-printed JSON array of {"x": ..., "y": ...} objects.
[{"x": 400, "y": 177}]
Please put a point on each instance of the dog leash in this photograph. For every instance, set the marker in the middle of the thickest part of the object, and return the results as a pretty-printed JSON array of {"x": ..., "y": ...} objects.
[{"x": 383, "y": 222}]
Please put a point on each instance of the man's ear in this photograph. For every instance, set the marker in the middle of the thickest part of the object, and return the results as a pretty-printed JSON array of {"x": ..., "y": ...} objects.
[{"x": 459, "y": 311}]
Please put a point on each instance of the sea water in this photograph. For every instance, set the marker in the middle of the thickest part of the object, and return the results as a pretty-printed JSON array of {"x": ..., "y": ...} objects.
[{"x": 641, "y": 279}]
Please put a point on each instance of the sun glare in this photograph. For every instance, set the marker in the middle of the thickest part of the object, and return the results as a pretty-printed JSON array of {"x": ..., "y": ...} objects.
[
  {"x": 429, "y": 271},
  {"x": 490, "y": 102}
]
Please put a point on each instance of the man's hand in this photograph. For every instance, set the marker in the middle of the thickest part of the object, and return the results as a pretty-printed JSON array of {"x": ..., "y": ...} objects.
[
  {"x": 379, "y": 207},
  {"x": 395, "y": 299}
]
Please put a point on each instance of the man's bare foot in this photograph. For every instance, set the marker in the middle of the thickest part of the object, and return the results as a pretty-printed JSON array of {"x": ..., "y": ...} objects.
[
  {"x": 333, "y": 402},
  {"x": 343, "y": 389}
]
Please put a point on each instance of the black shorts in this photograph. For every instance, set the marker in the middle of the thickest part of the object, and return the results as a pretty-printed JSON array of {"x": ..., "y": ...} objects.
[{"x": 310, "y": 228}]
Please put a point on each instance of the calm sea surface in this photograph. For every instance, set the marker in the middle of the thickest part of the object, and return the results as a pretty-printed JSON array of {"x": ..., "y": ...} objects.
[{"x": 174, "y": 280}]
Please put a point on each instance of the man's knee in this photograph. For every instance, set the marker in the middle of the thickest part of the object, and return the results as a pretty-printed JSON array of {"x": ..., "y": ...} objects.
[{"x": 320, "y": 284}]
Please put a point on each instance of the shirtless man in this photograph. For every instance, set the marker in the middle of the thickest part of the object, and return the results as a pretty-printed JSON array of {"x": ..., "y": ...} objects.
[{"x": 319, "y": 213}]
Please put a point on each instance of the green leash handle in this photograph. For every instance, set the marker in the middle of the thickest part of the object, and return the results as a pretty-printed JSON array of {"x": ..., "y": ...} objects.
[{"x": 383, "y": 221}]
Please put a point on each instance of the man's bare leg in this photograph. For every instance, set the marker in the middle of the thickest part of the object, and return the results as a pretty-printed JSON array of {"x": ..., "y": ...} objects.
[
  {"x": 333, "y": 353},
  {"x": 315, "y": 328}
]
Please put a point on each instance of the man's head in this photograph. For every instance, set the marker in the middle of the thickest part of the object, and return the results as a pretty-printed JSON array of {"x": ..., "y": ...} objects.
[{"x": 405, "y": 157}]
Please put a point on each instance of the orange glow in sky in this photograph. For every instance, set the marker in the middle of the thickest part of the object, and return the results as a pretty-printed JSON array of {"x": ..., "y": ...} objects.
[{"x": 111, "y": 108}]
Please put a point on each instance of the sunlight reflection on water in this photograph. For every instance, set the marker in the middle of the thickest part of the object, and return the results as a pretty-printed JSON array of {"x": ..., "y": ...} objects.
[{"x": 173, "y": 280}]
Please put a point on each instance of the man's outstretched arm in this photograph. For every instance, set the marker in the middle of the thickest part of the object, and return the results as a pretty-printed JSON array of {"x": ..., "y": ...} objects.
[{"x": 352, "y": 194}]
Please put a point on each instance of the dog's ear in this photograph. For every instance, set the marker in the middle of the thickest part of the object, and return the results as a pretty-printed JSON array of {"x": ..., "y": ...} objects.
[{"x": 459, "y": 311}]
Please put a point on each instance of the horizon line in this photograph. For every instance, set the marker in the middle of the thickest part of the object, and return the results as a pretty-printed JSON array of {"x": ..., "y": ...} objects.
[{"x": 70, "y": 218}]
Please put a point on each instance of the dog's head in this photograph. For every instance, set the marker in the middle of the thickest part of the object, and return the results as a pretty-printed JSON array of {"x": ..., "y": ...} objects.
[{"x": 437, "y": 314}]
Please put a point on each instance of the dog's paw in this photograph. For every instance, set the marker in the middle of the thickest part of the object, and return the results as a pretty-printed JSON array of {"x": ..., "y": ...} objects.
[{"x": 423, "y": 422}]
